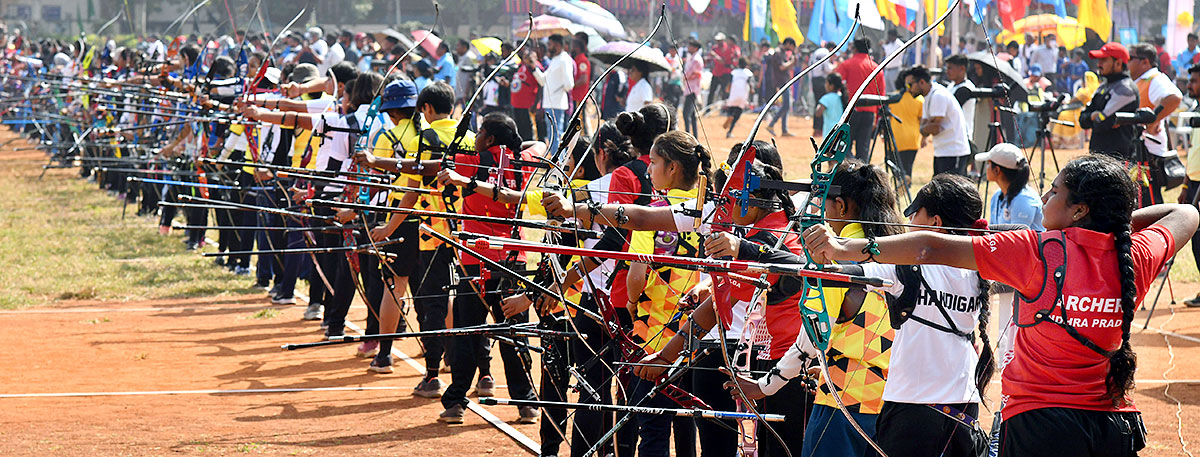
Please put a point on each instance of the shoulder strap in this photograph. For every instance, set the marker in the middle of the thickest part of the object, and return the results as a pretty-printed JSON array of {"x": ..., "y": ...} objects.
[
  {"x": 1054, "y": 263},
  {"x": 904, "y": 306}
]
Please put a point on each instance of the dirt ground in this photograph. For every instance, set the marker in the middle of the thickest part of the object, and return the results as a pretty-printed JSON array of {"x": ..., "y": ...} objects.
[{"x": 186, "y": 377}]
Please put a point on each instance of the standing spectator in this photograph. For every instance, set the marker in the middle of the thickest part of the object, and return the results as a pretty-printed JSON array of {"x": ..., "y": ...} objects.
[
  {"x": 640, "y": 93},
  {"x": 444, "y": 68},
  {"x": 524, "y": 87},
  {"x": 832, "y": 103},
  {"x": 350, "y": 52},
  {"x": 906, "y": 127},
  {"x": 960, "y": 86},
  {"x": 942, "y": 118},
  {"x": 893, "y": 68},
  {"x": 1155, "y": 90},
  {"x": 613, "y": 103},
  {"x": 1117, "y": 94},
  {"x": 1192, "y": 188},
  {"x": 334, "y": 56},
  {"x": 583, "y": 77},
  {"x": 1036, "y": 83},
  {"x": 1046, "y": 56},
  {"x": 1014, "y": 50},
  {"x": 693, "y": 72},
  {"x": 779, "y": 64},
  {"x": 766, "y": 78},
  {"x": 1187, "y": 57},
  {"x": 672, "y": 89},
  {"x": 817, "y": 76},
  {"x": 556, "y": 81},
  {"x": 312, "y": 48},
  {"x": 1164, "y": 58},
  {"x": 465, "y": 69},
  {"x": 739, "y": 95},
  {"x": 1072, "y": 72},
  {"x": 725, "y": 55},
  {"x": 854, "y": 72}
]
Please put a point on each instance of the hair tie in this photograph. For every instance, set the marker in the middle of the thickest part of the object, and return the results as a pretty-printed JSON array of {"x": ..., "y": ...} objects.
[{"x": 978, "y": 227}]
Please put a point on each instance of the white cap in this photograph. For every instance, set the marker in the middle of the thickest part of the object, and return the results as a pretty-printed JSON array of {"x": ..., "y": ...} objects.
[
  {"x": 315, "y": 31},
  {"x": 1007, "y": 155},
  {"x": 719, "y": 36}
]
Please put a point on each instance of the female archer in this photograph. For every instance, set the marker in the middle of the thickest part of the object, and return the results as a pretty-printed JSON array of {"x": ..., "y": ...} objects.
[{"x": 1068, "y": 384}]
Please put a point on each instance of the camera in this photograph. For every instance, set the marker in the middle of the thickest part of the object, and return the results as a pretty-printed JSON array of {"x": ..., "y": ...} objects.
[
  {"x": 877, "y": 100},
  {"x": 1191, "y": 121},
  {"x": 1142, "y": 116},
  {"x": 998, "y": 91},
  {"x": 1046, "y": 106}
]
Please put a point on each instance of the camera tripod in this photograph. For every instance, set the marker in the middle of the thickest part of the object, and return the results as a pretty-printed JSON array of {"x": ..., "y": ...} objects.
[
  {"x": 1043, "y": 143},
  {"x": 901, "y": 177}
]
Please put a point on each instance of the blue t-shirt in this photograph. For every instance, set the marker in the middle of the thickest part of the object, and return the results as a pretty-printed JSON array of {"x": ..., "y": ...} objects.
[
  {"x": 447, "y": 70},
  {"x": 1025, "y": 208},
  {"x": 832, "y": 101}
]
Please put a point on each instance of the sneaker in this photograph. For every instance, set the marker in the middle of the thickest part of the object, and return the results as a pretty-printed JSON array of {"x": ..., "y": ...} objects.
[
  {"x": 274, "y": 291},
  {"x": 219, "y": 261},
  {"x": 313, "y": 312},
  {"x": 383, "y": 365},
  {"x": 429, "y": 388},
  {"x": 452, "y": 415},
  {"x": 261, "y": 286},
  {"x": 527, "y": 415},
  {"x": 192, "y": 246},
  {"x": 486, "y": 387},
  {"x": 1193, "y": 302},
  {"x": 367, "y": 349},
  {"x": 283, "y": 300},
  {"x": 241, "y": 271}
]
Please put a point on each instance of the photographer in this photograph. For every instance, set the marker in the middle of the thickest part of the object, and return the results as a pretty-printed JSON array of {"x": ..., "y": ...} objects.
[
  {"x": 1117, "y": 94},
  {"x": 1155, "y": 90},
  {"x": 942, "y": 118},
  {"x": 1192, "y": 187},
  {"x": 961, "y": 87}
]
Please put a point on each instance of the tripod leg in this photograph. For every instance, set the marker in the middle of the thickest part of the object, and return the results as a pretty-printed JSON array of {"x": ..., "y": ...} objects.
[{"x": 1166, "y": 276}]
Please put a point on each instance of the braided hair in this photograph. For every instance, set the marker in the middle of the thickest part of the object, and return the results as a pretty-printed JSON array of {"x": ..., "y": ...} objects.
[
  {"x": 614, "y": 143},
  {"x": 681, "y": 147},
  {"x": 956, "y": 200},
  {"x": 1101, "y": 183},
  {"x": 768, "y": 165},
  {"x": 867, "y": 186}
]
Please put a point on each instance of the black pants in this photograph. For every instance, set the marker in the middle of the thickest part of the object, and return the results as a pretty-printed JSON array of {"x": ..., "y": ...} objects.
[
  {"x": 470, "y": 309},
  {"x": 954, "y": 165},
  {"x": 862, "y": 126},
  {"x": 524, "y": 123},
  {"x": 346, "y": 283},
  {"x": 717, "y": 438},
  {"x": 795, "y": 403},
  {"x": 818, "y": 90},
  {"x": 689, "y": 113},
  {"x": 555, "y": 361},
  {"x": 1063, "y": 432},
  {"x": 918, "y": 430},
  {"x": 431, "y": 302},
  {"x": 1190, "y": 194},
  {"x": 908, "y": 158},
  {"x": 594, "y": 359},
  {"x": 719, "y": 87},
  {"x": 735, "y": 113},
  {"x": 1156, "y": 175},
  {"x": 655, "y": 430},
  {"x": 784, "y": 109}
]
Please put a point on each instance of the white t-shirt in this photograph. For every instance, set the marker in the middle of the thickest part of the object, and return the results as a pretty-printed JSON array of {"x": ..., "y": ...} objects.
[
  {"x": 822, "y": 70},
  {"x": 739, "y": 88},
  {"x": 336, "y": 149},
  {"x": 640, "y": 95},
  {"x": 929, "y": 365},
  {"x": 335, "y": 55},
  {"x": 952, "y": 140},
  {"x": 1160, "y": 87},
  {"x": 887, "y": 50},
  {"x": 968, "y": 108}
]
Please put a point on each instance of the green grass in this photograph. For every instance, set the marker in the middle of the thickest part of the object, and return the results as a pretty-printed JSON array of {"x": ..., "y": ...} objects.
[
  {"x": 62, "y": 238},
  {"x": 267, "y": 313}
]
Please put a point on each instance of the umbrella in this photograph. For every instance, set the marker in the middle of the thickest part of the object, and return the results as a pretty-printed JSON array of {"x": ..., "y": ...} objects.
[
  {"x": 544, "y": 26},
  {"x": 1007, "y": 72},
  {"x": 1069, "y": 32},
  {"x": 609, "y": 53},
  {"x": 430, "y": 44},
  {"x": 404, "y": 41},
  {"x": 487, "y": 45},
  {"x": 586, "y": 13}
]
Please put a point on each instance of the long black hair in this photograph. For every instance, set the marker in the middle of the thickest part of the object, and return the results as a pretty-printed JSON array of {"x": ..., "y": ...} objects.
[
  {"x": 1017, "y": 180},
  {"x": 867, "y": 186},
  {"x": 767, "y": 165},
  {"x": 956, "y": 200},
  {"x": 615, "y": 145},
  {"x": 1101, "y": 183},
  {"x": 502, "y": 129},
  {"x": 681, "y": 147},
  {"x": 644, "y": 125}
]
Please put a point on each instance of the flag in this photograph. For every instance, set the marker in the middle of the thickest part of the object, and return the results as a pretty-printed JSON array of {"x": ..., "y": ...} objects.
[
  {"x": 978, "y": 9},
  {"x": 1060, "y": 7},
  {"x": 934, "y": 8},
  {"x": 1094, "y": 15},
  {"x": 784, "y": 21},
  {"x": 1011, "y": 10},
  {"x": 814, "y": 23},
  {"x": 756, "y": 21},
  {"x": 900, "y": 12}
]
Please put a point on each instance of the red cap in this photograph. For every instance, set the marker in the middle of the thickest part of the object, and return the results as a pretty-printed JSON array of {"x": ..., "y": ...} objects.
[{"x": 1113, "y": 49}]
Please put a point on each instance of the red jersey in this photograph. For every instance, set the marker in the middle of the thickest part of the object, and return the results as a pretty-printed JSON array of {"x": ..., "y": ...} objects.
[
  {"x": 854, "y": 71},
  {"x": 1051, "y": 369},
  {"x": 488, "y": 167},
  {"x": 626, "y": 179},
  {"x": 726, "y": 58},
  {"x": 524, "y": 87},
  {"x": 783, "y": 319},
  {"x": 583, "y": 72}
]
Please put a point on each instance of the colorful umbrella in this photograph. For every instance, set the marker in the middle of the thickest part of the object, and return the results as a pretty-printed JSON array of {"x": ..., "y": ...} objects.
[
  {"x": 544, "y": 26},
  {"x": 1067, "y": 30},
  {"x": 586, "y": 13},
  {"x": 430, "y": 45},
  {"x": 487, "y": 45},
  {"x": 611, "y": 52}
]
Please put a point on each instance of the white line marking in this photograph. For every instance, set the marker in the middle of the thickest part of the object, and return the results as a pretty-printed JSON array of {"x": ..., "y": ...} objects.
[
  {"x": 525, "y": 441},
  {"x": 1176, "y": 335},
  {"x": 198, "y": 392}
]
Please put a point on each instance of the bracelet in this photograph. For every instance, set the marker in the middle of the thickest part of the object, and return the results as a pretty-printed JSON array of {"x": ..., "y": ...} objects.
[{"x": 871, "y": 249}]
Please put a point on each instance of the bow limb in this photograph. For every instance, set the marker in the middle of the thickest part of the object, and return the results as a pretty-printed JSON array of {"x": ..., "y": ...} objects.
[{"x": 832, "y": 153}]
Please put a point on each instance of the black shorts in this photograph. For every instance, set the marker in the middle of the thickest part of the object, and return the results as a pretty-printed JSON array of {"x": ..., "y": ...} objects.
[
  {"x": 918, "y": 430},
  {"x": 1065, "y": 432},
  {"x": 407, "y": 253}
]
